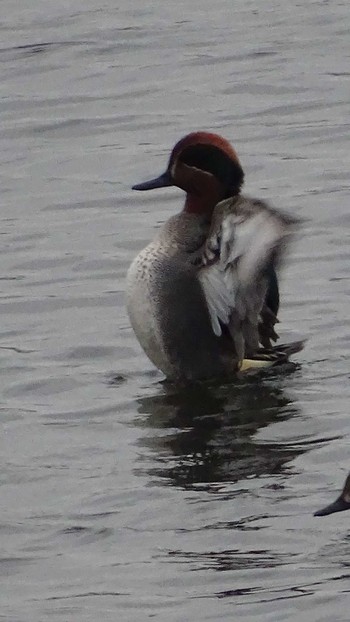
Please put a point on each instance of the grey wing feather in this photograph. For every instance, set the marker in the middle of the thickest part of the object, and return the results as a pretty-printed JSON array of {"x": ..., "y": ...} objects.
[{"x": 245, "y": 237}]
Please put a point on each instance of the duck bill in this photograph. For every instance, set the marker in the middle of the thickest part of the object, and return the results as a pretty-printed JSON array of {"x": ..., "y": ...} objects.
[
  {"x": 338, "y": 506},
  {"x": 162, "y": 181}
]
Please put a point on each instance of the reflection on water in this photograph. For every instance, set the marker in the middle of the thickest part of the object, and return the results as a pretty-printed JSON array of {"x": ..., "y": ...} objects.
[
  {"x": 202, "y": 439},
  {"x": 234, "y": 559},
  {"x": 206, "y": 434}
]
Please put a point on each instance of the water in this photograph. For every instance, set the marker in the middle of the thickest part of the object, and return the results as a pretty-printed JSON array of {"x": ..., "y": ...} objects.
[{"x": 120, "y": 499}]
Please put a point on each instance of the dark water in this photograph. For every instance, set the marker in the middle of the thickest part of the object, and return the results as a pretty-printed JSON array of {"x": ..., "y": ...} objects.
[{"x": 120, "y": 499}]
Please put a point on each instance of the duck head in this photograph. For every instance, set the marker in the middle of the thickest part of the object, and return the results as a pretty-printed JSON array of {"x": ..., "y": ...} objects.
[{"x": 206, "y": 167}]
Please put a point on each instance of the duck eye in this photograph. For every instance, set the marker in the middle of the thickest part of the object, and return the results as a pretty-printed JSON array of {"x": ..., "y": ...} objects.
[
  {"x": 199, "y": 156},
  {"x": 212, "y": 160}
]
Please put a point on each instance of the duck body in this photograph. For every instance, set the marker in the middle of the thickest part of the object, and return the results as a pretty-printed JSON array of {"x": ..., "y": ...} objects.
[
  {"x": 166, "y": 303},
  {"x": 197, "y": 295}
]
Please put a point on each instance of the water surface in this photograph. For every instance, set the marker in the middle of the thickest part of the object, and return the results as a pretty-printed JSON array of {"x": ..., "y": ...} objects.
[{"x": 123, "y": 499}]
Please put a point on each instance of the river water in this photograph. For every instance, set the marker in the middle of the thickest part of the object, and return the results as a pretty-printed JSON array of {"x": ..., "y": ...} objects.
[{"x": 122, "y": 499}]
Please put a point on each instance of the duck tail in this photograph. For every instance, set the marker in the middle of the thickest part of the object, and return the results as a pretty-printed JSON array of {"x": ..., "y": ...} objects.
[{"x": 271, "y": 357}]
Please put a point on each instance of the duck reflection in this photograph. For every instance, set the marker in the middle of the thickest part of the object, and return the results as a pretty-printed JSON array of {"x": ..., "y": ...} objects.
[{"x": 205, "y": 435}]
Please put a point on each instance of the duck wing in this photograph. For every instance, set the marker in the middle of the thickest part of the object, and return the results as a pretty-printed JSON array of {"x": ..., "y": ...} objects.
[{"x": 246, "y": 241}]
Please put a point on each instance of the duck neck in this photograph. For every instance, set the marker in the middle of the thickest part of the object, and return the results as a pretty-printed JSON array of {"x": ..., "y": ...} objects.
[{"x": 201, "y": 205}]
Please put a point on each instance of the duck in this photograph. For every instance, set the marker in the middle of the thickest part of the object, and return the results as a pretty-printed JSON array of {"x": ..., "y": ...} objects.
[
  {"x": 203, "y": 296},
  {"x": 340, "y": 504}
]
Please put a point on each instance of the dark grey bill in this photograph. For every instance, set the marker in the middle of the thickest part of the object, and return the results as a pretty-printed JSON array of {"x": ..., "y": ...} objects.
[
  {"x": 158, "y": 182},
  {"x": 338, "y": 506}
]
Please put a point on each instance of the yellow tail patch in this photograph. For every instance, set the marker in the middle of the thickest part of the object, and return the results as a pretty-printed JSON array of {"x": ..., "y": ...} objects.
[{"x": 247, "y": 364}]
